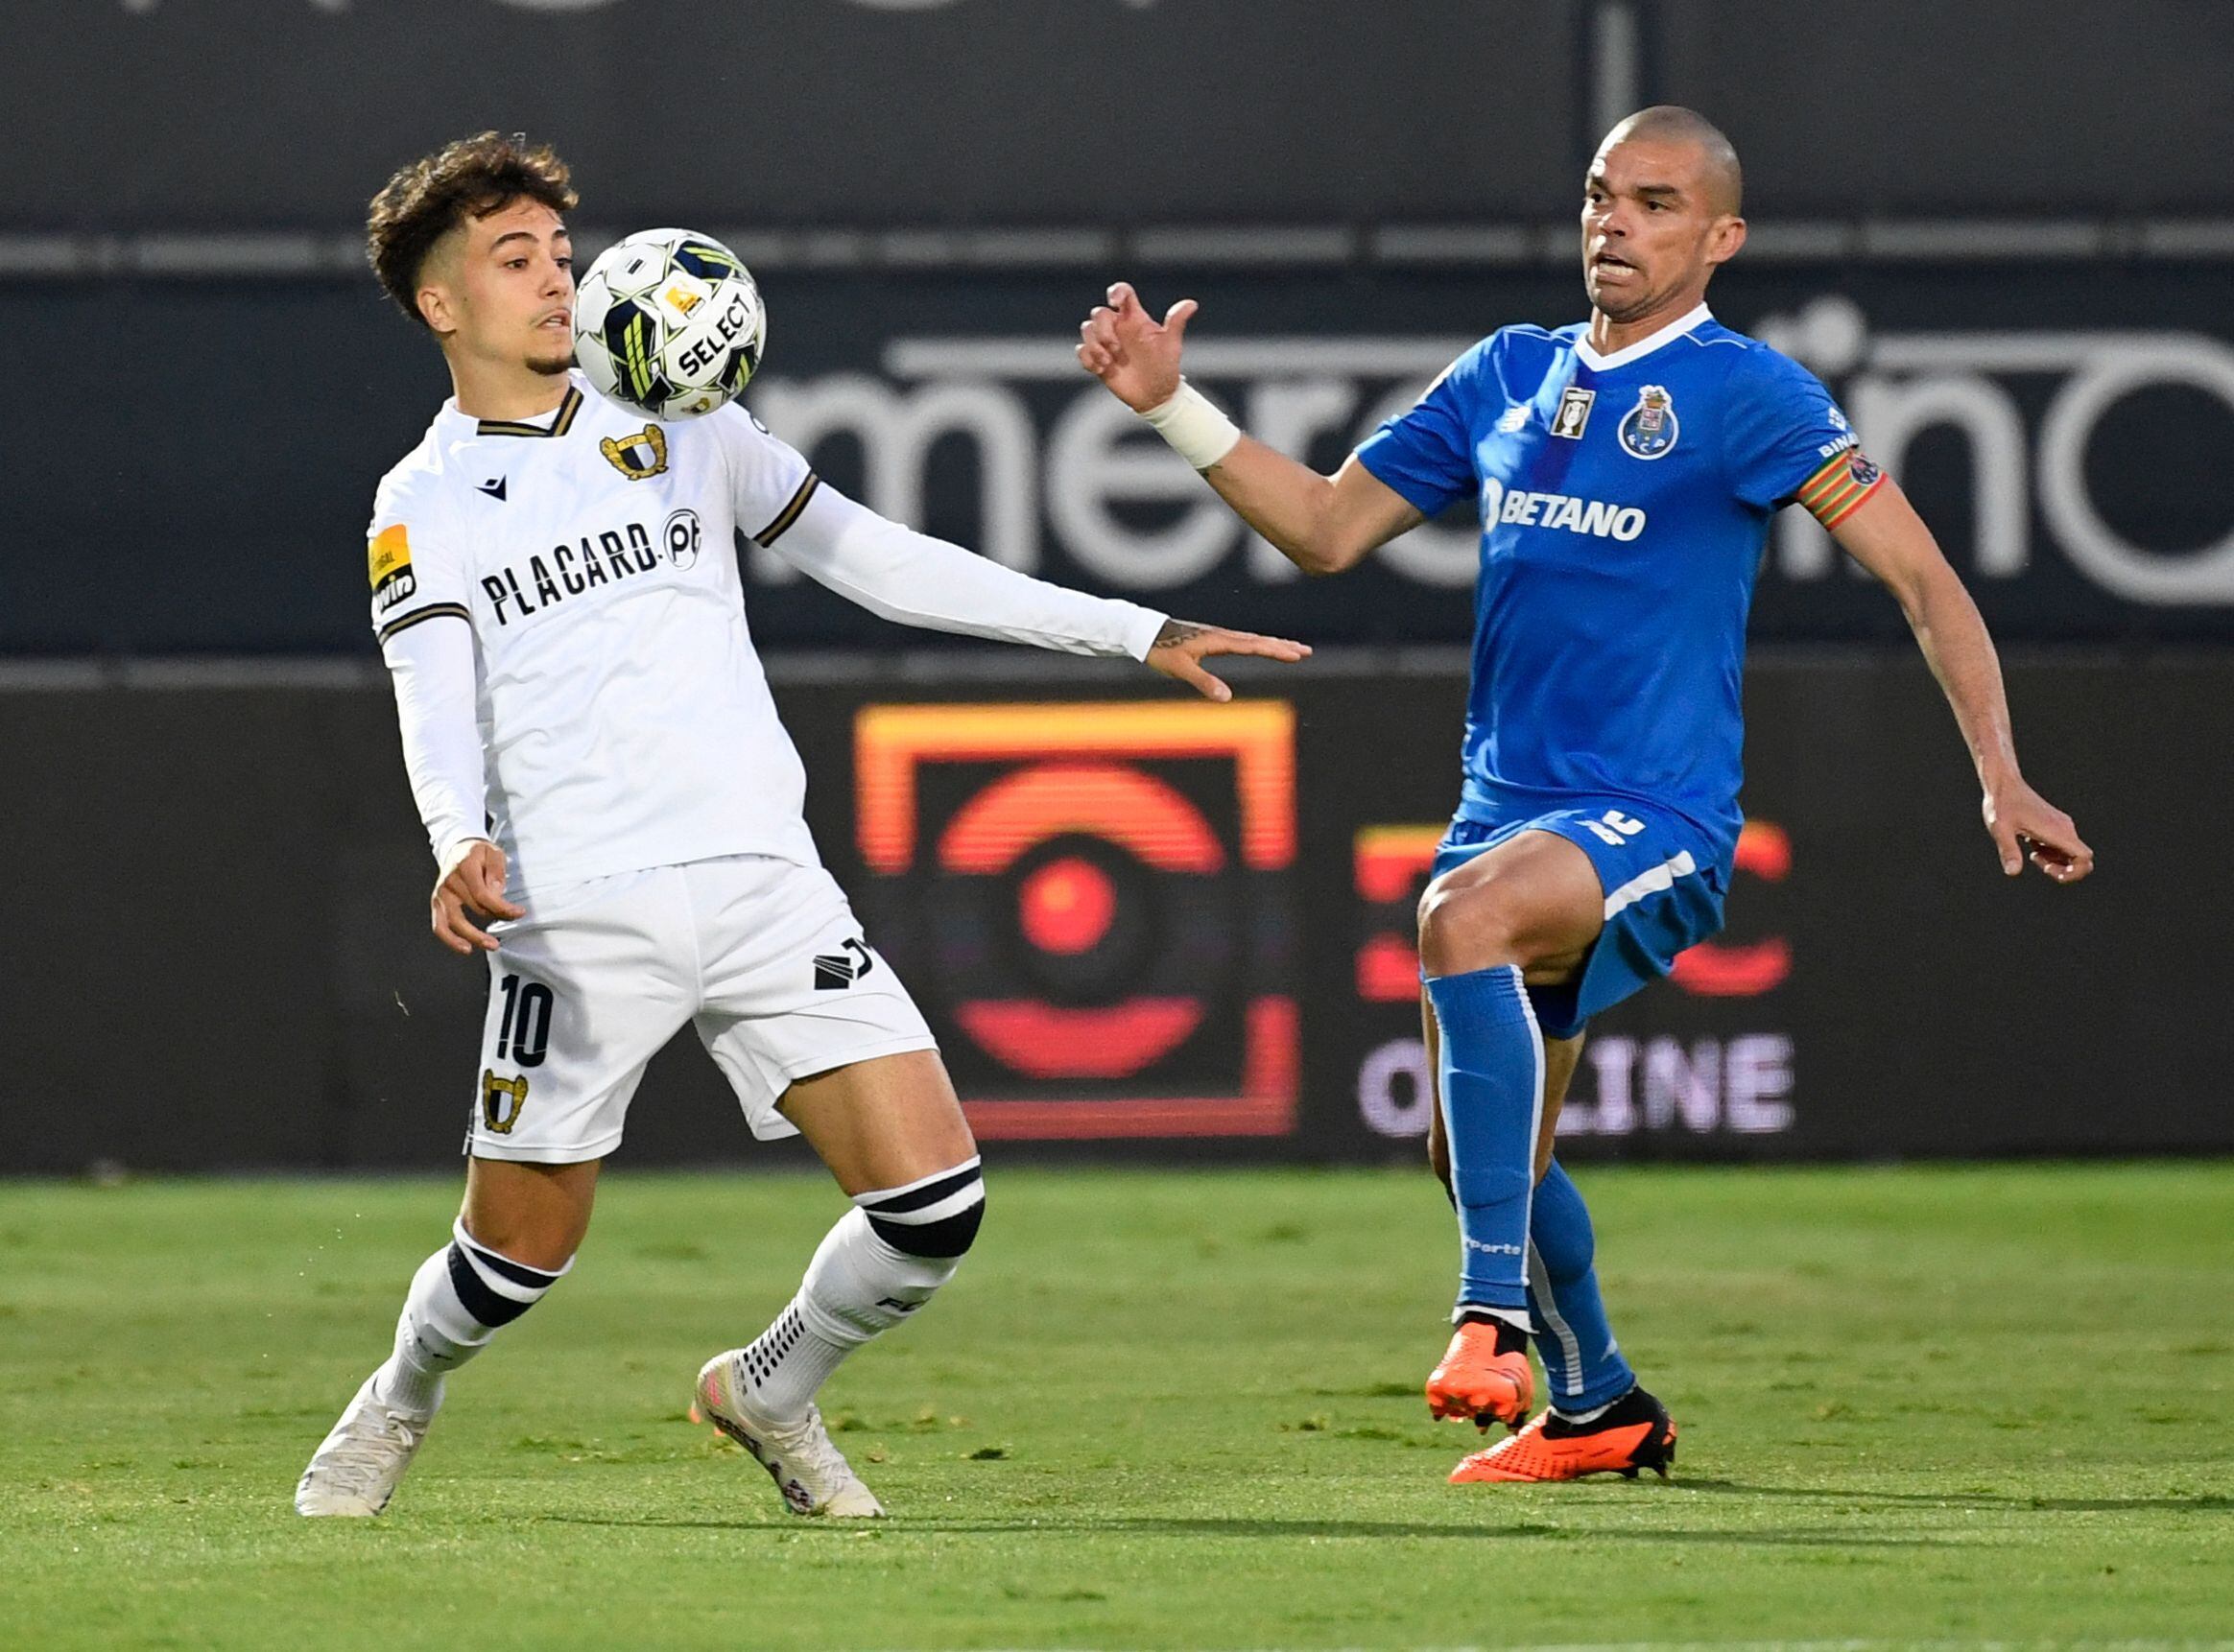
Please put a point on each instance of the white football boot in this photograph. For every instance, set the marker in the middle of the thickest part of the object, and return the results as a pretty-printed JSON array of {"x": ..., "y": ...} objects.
[
  {"x": 812, "y": 1474},
  {"x": 355, "y": 1468}
]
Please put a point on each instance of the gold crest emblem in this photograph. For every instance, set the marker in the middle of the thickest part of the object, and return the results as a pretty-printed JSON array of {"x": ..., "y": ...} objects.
[
  {"x": 502, "y": 1100},
  {"x": 639, "y": 456}
]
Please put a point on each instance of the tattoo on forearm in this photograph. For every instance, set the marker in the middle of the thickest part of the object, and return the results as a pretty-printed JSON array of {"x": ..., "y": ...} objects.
[{"x": 1178, "y": 631}]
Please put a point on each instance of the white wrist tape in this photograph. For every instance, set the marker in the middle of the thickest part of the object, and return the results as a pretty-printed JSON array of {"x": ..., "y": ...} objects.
[{"x": 1191, "y": 422}]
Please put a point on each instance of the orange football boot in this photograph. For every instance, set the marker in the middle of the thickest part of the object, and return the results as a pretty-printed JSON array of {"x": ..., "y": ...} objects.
[
  {"x": 1635, "y": 1433},
  {"x": 1480, "y": 1383}
]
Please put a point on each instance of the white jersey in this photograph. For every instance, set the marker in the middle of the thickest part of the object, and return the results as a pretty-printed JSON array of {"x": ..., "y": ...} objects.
[{"x": 623, "y": 718}]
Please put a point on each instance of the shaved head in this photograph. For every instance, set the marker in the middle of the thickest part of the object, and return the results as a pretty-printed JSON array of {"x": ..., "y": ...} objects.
[
  {"x": 1659, "y": 216},
  {"x": 1721, "y": 175}
]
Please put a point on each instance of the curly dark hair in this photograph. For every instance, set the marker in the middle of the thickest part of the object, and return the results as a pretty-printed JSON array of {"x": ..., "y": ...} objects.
[{"x": 426, "y": 200}]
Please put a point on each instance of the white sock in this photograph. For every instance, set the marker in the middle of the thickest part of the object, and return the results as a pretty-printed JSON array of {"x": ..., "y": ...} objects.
[
  {"x": 1517, "y": 1317},
  {"x": 459, "y": 1299},
  {"x": 859, "y": 1286},
  {"x": 1590, "y": 1416}
]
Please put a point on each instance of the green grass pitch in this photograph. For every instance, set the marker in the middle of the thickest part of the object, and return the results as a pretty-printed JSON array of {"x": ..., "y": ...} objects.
[{"x": 1155, "y": 1410}]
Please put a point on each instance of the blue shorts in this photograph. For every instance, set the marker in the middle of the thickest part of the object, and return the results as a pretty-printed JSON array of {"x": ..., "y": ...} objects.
[{"x": 1664, "y": 880}]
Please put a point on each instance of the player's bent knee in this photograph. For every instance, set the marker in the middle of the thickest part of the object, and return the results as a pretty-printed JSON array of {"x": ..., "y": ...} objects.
[
  {"x": 1462, "y": 929},
  {"x": 934, "y": 1219}
]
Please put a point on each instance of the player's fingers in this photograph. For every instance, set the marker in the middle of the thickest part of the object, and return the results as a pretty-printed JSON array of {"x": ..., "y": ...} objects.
[
  {"x": 1201, "y": 681},
  {"x": 487, "y": 894},
  {"x": 1264, "y": 647},
  {"x": 443, "y": 933},
  {"x": 2065, "y": 863},
  {"x": 1122, "y": 299},
  {"x": 2053, "y": 831},
  {"x": 2005, "y": 841},
  {"x": 1177, "y": 318}
]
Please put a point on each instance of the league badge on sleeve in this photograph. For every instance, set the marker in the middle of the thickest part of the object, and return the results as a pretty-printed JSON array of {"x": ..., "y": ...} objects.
[
  {"x": 388, "y": 554},
  {"x": 1648, "y": 430}
]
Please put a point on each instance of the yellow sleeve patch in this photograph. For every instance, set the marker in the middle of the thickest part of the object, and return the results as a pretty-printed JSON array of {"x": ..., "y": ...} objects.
[{"x": 388, "y": 552}]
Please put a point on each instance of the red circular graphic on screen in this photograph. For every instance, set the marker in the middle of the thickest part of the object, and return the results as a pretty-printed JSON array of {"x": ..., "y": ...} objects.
[{"x": 1066, "y": 906}]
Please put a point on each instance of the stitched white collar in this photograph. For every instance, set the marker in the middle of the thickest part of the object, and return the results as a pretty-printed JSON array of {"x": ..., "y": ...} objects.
[{"x": 1644, "y": 347}]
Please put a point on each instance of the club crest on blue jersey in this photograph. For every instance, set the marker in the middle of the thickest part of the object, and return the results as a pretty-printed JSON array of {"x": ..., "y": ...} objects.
[{"x": 1649, "y": 429}]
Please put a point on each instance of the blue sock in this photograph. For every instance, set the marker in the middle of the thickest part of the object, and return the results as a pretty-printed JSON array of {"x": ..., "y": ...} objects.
[
  {"x": 1492, "y": 1097},
  {"x": 1582, "y": 1363}
]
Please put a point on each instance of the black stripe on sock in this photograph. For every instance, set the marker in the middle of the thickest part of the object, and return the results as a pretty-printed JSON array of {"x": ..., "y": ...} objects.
[
  {"x": 915, "y": 1198},
  {"x": 481, "y": 1301},
  {"x": 947, "y": 1237},
  {"x": 518, "y": 1272}
]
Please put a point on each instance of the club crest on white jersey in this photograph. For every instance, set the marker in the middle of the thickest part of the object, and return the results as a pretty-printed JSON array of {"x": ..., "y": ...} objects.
[{"x": 625, "y": 719}]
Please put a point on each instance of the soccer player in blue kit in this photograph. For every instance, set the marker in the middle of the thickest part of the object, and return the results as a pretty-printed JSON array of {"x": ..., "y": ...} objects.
[{"x": 1625, "y": 470}]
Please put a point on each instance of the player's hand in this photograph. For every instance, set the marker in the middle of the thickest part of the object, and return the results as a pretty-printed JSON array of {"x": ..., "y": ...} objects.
[
  {"x": 1124, "y": 346},
  {"x": 2025, "y": 826},
  {"x": 1182, "y": 645},
  {"x": 471, "y": 882}
]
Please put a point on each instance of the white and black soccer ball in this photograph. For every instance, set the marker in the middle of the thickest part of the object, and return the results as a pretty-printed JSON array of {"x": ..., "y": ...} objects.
[{"x": 669, "y": 321}]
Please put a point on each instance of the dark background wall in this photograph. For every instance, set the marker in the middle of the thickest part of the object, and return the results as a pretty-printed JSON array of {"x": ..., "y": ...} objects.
[
  {"x": 1998, "y": 230},
  {"x": 2065, "y": 429},
  {"x": 288, "y": 112},
  {"x": 218, "y": 953},
  {"x": 1993, "y": 228}
]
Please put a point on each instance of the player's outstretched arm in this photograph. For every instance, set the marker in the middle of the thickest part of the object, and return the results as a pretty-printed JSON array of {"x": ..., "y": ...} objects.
[
  {"x": 914, "y": 579},
  {"x": 1181, "y": 646},
  {"x": 1321, "y": 523},
  {"x": 1888, "y": 537}
]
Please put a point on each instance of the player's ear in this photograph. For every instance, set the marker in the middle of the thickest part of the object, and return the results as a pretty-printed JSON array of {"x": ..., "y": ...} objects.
[
  {"x": 433, "y": 308},
  {"x": 1724, "y": 240}
]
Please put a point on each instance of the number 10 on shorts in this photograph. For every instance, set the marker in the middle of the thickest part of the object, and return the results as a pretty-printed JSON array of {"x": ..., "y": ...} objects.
[{"x": 524, "y": 1035}]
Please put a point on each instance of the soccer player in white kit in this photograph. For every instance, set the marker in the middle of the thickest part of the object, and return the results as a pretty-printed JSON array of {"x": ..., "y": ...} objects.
[{"x": 616, "y": 814}]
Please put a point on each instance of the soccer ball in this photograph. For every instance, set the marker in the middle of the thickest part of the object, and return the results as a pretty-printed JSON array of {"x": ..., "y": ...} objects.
[{"x": 669, "y": 323}]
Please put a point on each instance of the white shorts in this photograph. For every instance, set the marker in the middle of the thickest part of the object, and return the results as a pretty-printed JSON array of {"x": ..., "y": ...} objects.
[{"x": 763, "y": 957}]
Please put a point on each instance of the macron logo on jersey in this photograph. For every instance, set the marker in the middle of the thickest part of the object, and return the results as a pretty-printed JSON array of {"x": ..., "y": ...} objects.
[{"x": 1592, "y": 516}]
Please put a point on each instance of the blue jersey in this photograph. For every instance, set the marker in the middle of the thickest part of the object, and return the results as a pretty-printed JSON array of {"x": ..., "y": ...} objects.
[{"x": 1625, "y": 500}]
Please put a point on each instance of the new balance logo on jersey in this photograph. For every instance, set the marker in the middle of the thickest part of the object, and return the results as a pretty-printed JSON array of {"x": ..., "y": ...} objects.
[
  {"x": 1592, "y": 516},
  {"x": 835, "y": 971},
  {"x": 493, "y": 487}
]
